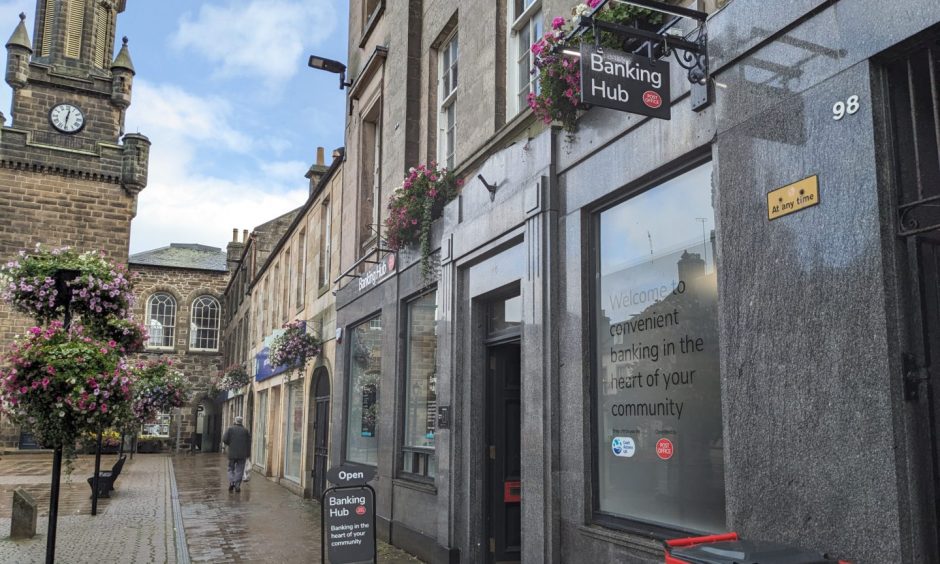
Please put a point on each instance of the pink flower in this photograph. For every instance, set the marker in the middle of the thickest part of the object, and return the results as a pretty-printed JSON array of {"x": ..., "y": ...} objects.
[
  {"x": 558, "y": 22},
  {"x": 537, "y": 48},
  {"x": 593, "y": 3}
]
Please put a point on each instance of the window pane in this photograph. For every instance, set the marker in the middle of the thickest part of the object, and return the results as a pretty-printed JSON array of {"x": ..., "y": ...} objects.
[
  {"x": 421, "y": 376},
  {"x": 161, "y": 320},
  {"x": 294, "y": 424},
  {"x": 660, "y": 450},
  {"x": 204, "y": 325},
  {"x": 365, "y": 373}
]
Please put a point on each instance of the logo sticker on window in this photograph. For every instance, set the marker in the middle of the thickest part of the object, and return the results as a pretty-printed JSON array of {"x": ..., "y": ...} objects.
[{"x": 623, "y": 446}]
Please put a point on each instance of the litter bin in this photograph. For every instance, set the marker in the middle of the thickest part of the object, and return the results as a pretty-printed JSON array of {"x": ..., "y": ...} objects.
[{"x": 729, "y": 549}]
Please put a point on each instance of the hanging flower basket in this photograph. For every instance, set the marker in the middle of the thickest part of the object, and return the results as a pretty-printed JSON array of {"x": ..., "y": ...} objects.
[
  {"x": 559, "y": 75},
  {"x": 101, "y": 289},
  {"x": 60, "y": 384},
  {"x": 294, "y": 347},
  {"x": 234, "y": 378},
  {"x": 413, "y": 207},
  {"x": 159, "y": 388},
  {"x": 128, "y": 335}
]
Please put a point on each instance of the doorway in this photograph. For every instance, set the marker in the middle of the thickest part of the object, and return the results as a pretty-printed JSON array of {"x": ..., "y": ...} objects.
[
  {"x": 321, "y": 429},
  {"x": 503, "y": 435},
  {"x": 913, "y": 83}
]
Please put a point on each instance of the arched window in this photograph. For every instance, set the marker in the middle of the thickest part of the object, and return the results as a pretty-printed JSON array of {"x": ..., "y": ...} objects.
[
  {"x": 204, "y": 324},
  {"x": 161, "y": 320}
]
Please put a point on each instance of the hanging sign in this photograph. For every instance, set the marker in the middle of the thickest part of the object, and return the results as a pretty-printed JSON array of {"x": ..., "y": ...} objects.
[{"x": 625, "y": 82}]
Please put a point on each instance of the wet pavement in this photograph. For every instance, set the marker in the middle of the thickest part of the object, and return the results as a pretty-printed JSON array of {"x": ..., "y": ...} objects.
[
  {"x": 134, "y": 525},
  {"x": 263, "y": 523}
]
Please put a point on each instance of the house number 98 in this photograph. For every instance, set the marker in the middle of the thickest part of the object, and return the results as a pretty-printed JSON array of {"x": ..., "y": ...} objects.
[{"x": 841, "y": 109}]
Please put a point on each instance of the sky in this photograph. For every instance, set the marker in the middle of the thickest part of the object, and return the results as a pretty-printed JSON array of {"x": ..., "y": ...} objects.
[{"x": 234, "y": 113}]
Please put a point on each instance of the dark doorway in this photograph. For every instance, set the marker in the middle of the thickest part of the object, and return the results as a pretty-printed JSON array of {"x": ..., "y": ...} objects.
[
  {"x": 503, "y": 435},
  {"x": 321, "y": 430},
  {"x": 913, "y": 83}
]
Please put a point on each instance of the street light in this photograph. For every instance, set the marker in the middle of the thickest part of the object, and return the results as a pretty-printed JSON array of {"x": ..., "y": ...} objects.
[{"x": 329, "y": 65}]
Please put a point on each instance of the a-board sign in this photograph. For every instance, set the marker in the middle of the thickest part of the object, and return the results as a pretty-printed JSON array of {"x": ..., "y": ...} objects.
[
  {"x": 625, "y": 82},
  {"x": 350, "y": 475},
  {"x": 793, "y": 197},
  {"x": 349, "y": 524}
]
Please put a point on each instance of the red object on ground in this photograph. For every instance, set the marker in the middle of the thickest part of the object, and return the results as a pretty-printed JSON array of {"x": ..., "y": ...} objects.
[{"x": 692, "y": 541}]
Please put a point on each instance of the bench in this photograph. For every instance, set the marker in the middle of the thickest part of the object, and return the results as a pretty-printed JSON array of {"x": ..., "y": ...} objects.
[{"x": 106, "y": 478}]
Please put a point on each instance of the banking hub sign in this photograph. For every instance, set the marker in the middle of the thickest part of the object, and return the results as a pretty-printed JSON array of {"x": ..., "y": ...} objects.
[{"x": 624, "y": 81}]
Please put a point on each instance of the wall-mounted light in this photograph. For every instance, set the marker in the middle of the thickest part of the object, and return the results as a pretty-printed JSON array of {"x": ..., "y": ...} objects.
[{"x": 329, "y": 65}]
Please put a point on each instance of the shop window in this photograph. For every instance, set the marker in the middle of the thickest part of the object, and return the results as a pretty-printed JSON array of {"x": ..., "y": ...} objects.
[
  {"x": 204, "y": 324},
  {"x": 526, "y": 27},
  {"x": 362, "y": 405},
  {"x": 259, "y": 450},
  {"x": 294, "y": 424},
  {"x": 159, "y": 426},
  {"x": 659, "y": 450},
  {"x": 161, "y": 320},
  {"x": 420, "y": 387},
  {"x": 447, "y": 102}
]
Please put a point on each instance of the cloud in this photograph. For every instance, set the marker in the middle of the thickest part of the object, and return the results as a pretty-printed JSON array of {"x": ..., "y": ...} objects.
[
  {"x": 264, "y": 39},
  {"x": 183, "y": 201},
  {"x": 170, "y": 111}
]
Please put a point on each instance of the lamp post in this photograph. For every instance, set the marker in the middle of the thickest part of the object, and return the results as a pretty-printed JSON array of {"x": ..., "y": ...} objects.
[
  {"x": 64, "y": 299},
  {"x": 329, "y": 65}
]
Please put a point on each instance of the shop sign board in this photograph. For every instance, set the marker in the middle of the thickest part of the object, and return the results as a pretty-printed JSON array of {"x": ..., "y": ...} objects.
[
  {"x": 348, "y": 524},
  {"x": 625, "y": 82},
  {"x": 378, "y": 273},
  {"x": 793, "y": 197},
  {"x": 350, "y": 475}
]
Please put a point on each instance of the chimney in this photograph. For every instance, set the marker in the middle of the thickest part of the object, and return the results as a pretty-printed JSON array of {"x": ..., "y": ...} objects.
[
  {"x": 233, "y": 252},
  {"x": 244, "y": 236},
  {"x": 317, "y": 171}
]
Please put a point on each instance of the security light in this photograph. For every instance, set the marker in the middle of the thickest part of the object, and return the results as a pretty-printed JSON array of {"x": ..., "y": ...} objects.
[{"x": 329, "y": 65}]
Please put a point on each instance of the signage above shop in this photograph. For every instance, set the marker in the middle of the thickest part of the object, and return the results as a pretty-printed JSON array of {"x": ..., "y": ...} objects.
[
  {"x": 793, "y": 197},
  {"x": 378, "y": 273},
  {"x": 625, "y": 82}
]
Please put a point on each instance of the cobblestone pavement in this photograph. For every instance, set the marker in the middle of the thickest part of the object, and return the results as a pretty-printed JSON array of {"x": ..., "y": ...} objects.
[
  {"x": 134, "y": 525},
  {"x": 263, "y": 523}
]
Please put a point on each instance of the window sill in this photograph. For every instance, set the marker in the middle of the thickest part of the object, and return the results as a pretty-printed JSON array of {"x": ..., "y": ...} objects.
[
  {"x": 637, "y": 543},
  {"x": 203, "y": 352},
  {"x": 415, "y": 484}
]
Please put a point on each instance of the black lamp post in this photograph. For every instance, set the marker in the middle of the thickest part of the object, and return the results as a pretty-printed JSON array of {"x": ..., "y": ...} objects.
[{"x": 63, "y": 299}]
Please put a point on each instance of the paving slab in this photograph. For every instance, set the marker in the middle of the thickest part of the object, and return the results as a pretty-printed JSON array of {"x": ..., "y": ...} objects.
[
  {"x": 263, "y": 523},
  {"x": 134, "y": 525}
]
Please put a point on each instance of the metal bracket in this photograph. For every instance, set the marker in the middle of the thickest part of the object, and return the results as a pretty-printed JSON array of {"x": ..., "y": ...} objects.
[{"x": 919, "y": 216}]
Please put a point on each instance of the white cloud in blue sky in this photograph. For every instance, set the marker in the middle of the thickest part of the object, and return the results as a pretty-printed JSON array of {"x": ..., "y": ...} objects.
[
  {"x": 260, "y": 39},
  {"x": 235, "y": 115}
]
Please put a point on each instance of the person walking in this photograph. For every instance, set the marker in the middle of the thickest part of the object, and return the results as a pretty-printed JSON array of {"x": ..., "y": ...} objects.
[{"x": 238, "y": 440}]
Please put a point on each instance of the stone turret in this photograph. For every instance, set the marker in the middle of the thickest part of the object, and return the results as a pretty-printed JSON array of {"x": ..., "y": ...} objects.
[
  {"x": 135, "y": 163},
  {"x": 18, "y": 54},
  {"x": 122, "y": 77}
]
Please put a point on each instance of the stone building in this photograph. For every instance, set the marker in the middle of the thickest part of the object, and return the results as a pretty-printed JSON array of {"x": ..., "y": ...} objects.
[
  {"x": 785, "y": 360},
  {"x": 69, "y": 176},
  {"x": 179, "y": 299},
  {"x": 282, "y": 272}
]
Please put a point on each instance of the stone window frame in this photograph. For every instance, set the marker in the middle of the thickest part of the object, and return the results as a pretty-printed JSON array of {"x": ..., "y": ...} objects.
[
  {"x": 521, "y": 15},
  {"x": 160, "y": 293},
  {"x": 448, "y": 58},
  {"x": 193, "y": 318}
]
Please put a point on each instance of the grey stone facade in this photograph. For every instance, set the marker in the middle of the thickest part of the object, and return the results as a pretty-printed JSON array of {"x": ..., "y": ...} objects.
[{"x": 820, "y": 446}]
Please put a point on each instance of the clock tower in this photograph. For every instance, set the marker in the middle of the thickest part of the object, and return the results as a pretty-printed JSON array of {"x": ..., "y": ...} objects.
[{"x": 69, "y": 175}]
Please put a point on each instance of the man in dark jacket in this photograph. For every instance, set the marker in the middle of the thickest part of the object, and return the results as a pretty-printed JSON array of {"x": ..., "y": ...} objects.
[{"x": 238, "y": 440}]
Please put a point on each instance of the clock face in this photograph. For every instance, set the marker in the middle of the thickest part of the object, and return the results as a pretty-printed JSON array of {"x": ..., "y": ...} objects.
[{"x": 67, "y": 118}]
